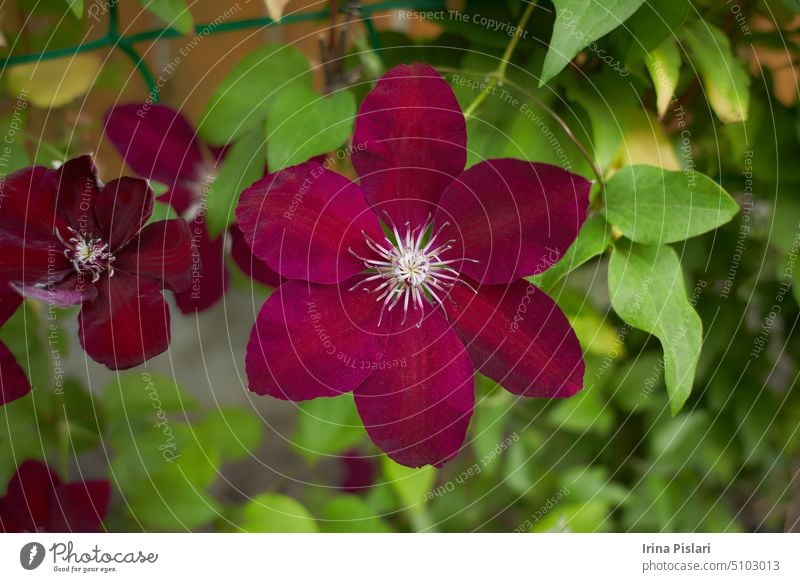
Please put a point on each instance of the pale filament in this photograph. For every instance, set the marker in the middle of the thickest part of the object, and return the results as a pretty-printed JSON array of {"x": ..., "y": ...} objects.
[{"x": 410, "y": 270}]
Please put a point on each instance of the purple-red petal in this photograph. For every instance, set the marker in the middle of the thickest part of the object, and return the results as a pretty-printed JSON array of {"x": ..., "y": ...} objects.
[
  {"x": 515, "y": 218},
  {"x": 156, "y": 142},
  {"x": 27, "y": 504},
  {"x": 161, "y": 252},
  {"x": 79, "y": 507},
  {"x": 303, "y": 222},
  {"x": 13, "y": 381},
  {"x": 250, "y": 264},
  {"x": 78, "y": 188},
  {"x": 122, "y": 209},
  {"x": 209, "y": 272},
  {"x": 519, "y": 337},
  {"x": 314, "y": 340},
  {"x": 409, "y": 143},
  {"x": 127, "y": 324},
  {"x": 417, "y": 404}
]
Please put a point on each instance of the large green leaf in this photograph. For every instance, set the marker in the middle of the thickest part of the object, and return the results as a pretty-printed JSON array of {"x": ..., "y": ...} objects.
[
  {"x": 725, "y": 78},
  {"x": 241, "y": 102},
  {"x": 647, "y": 291},
  {"x": 302, "y": 124},
  {"x": 243, "y": 165},
  {"x": 273, "y": 513},
  {"x": 232, "y": 432},
  {"x": 654, "y": 206},
  {"x": 578, "y": 24},
  {"x": 173, "y": 13}
]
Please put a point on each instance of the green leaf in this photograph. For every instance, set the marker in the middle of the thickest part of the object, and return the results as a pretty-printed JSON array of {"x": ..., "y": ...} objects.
[
  {"x": 725, "y": 78},
  {"x": 173, "y": 13},
  {"x": 161, "y": 210},
  {"x": 411, "y": 485},
  {"x": 328, "y": 426},
  {"x": 232, "y": 432},
  {"x": 137, "y": 394},
  {"x": 77, "y": 7},
  {"x": 578, "y": 24},
  {"x": 593, "y": 240},
  {"x": 302, "y": 124},
  {"x": 589, "y": 517},
  {"x": 243, "y": 165},
  {"x": 53, "y": 83},
  {"x": 241, "y": 102},
  {"x": 349, "y": 514},
  {"x": 587, "y": 411},
  {"x": 169, "y": 502},
  {"x": 647, "y": 291},
  {"x": 654, "y": 206},
  {"x": 272, "y": 513},
  {"x": 654, "y": 23},
  {"x": 664, "y": 64}
]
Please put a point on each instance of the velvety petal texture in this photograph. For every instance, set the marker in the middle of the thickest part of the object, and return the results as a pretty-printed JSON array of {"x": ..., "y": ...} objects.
[
  {"x": 251, "y": 265},
  {"x": 28, "y": 222},
  {"x": 209, "y": 273},
  {"x": 313, "y": 340},
  {"x": 122, "y": 209},
  {"x": 409, "y": 143},
  {"x": 37, "y": 501},
  {"x": 514, "y": 218},
  {"x": 13, "y": 381},
  {"x": 417, "y": 404},
  {"x": 161, "y": 252},
  {"x": 517, "y": 336},
  {"x": 304, "y": 221},
  {"x": 156, "y": 142},
  {"x": 127, "y": 324}
]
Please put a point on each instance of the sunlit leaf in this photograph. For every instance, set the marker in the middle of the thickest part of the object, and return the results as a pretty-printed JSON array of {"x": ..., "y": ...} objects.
[{"x": 53, "y": 83}]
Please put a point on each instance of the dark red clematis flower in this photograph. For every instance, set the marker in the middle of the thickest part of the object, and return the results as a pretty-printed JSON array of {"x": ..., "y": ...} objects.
[
  {"x": 37, "y": 501},
  {"x": 400, "y": 287},
  {"x": 158, "y": 143},
  {"x": 67, "y": 239},
  {"x": 13, "y": 381}
]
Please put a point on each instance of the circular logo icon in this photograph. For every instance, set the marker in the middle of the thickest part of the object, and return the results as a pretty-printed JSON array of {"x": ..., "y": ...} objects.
[{"x": 31, "y": 555}]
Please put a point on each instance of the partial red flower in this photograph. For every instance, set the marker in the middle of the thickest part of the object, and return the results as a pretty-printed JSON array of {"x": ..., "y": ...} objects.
[
  {"x": 13, "y": 381},
  {"x": 404, "y": 319},
  {"x": 67, "y": 239},
  {"x": 158, "y": 143},
  {"x": 37, "y": 501}
]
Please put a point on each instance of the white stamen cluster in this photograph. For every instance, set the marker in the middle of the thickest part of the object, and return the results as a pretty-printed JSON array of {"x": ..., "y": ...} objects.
[
  {"x": 88, "y": 255},
  {"x": 410, "y": 269}
]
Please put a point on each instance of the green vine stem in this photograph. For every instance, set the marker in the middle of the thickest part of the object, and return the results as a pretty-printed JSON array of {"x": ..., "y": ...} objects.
[
  {"x": 547, "y": 109},
  {"x": 499, "y": 75},
  {"x": 112, "y": 38}
]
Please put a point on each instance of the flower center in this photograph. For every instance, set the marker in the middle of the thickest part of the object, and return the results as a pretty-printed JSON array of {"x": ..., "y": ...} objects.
[
  {"x": 88, "y": 255},
  {"x": 409, "y": 269}
]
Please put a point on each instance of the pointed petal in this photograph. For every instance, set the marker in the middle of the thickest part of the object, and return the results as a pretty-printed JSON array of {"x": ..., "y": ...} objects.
[
  {"x": 416, "y": 406},
  {"x": 518, "y": 337},
  {"x": 122, "y": 209},
  {"x": 515, "y": 218},
  {"x": 161, "y": 252},
  {"x": 313, "y": 340},
  {"x": 127, "y": 324},
  {"x": 302, "y": 221},
  {"x": 410, "y": 142}
]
